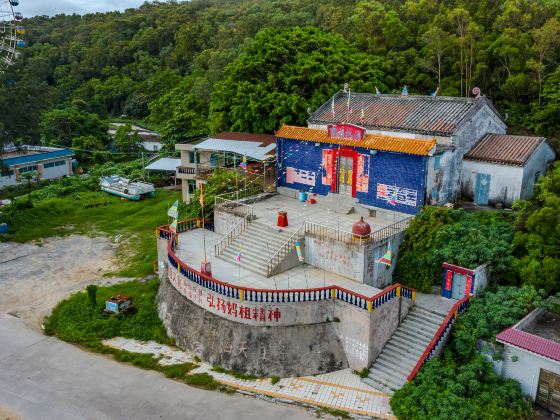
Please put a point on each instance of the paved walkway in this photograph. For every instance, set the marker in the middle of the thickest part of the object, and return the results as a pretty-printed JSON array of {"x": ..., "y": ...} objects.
[
  {"x": 341, "y": 390},
  {"x": 304, "y": 276},
  {"x": 322, "y": 213},
  {"x": 43, "y": 378}
]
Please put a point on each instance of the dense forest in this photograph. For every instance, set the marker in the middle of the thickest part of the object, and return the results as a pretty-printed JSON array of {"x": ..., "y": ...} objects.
[{"x": 195, "y": 67}]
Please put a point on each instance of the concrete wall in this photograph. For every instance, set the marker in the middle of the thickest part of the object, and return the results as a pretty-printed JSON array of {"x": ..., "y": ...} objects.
[
  {"x": 352, "y": 260},
  {"x": 448, "y": 189},
  {"x": 338, "y": 333},
  {"x": 505, "y": 181},
  {"x": 526, "y": 368},
  {"x": 482, "y": 278},
  {"x": 260, "y": 350},
  {"x": 537, "y": 163},
  {"x": 7, "y": 180},
  {"x": 55, "y": 172},
  {"x": 224, "y": 221}
]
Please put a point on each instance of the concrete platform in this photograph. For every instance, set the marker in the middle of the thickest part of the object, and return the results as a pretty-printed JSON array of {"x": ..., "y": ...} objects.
[
  {"x": 324, "y": 212},
  {"x": 190, "y": 251}
]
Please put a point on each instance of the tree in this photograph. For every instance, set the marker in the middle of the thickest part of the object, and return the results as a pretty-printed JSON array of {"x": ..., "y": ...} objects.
[
  {"x": 86, "y": 148},
  {"x": 127, "y": 140},
  {"x": 60, "y": 126},
  {"x": 437, "y": 42},
  {"x": 282, "y": 74}
]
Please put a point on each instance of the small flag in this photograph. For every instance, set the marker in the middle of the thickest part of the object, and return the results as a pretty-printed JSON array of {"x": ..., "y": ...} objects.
[
  {"x": 298, "y": 250},
  {"x": 362, "y": 115},
  {"x": 174, "y": 210},
  {"x": 201, "y": 198},
  {"x": 332, "y": 107},
  {"x": 386, "y": 259},
  {"x": 348, "y": 103},
  {"x": 243, "y": 164},
  {"x": 238, "y": 257},
  {"x": 173, "y": 226}
]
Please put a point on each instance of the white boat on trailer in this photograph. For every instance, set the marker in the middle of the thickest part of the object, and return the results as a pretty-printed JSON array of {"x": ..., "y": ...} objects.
[{"x": 126, "y": 188}]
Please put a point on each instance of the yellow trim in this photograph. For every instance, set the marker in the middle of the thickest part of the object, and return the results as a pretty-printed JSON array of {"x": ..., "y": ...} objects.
[
  {"x": 333, "y": 293},
  {"x": 369, "y": 306},
  {"x": 414, "y": 295},
  {"x": 306, "y": 400},
  {"x": 350, "y": 388},
  {"x": 241, "y": 294},
  {"x": 398, "y": 291}
]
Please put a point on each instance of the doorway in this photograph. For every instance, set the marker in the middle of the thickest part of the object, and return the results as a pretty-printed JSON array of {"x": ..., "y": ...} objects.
[
  {"x": 548, "y": 392},
  {"x": 345, "y": 175},
  {"x": 459, "y": 285},
  {"x": 482, "y": 189}
]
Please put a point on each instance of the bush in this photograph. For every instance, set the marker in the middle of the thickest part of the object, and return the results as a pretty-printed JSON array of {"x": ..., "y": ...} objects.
[
  {"x": 178, "y": 371},
  {"x": 202, "y": 380},
  {"x": 439, "y": 235}
]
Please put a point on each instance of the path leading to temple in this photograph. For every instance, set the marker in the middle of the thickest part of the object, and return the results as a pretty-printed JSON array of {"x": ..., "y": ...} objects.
[{"x": 44, "y": 378}]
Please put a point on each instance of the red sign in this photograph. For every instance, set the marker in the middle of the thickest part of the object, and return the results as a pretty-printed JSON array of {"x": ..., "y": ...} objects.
[
  {"x": 346, "y": 131},
  {"x": 448, "y": 279},
  {"x": 468, "y": 286}
]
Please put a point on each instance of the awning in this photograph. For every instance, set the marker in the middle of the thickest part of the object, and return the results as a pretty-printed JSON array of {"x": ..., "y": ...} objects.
[
  {"x": 253, "y": 150},
  {"x": 164, "y": 164}
]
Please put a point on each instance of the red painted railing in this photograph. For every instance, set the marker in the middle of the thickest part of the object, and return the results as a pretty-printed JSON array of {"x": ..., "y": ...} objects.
[
  {"x": 275, "y": 295},
  {"x": 457, "y": 309}
]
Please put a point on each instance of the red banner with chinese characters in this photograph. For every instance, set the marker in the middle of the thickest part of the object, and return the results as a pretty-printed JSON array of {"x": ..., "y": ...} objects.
[
  {"x": 346, "y": 131},
  {"x": 448, "y": 279},
  {"x": 468, "y": 285}
]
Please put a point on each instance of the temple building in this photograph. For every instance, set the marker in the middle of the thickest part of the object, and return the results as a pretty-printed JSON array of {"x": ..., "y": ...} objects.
[{"x": 399, "y": 152}]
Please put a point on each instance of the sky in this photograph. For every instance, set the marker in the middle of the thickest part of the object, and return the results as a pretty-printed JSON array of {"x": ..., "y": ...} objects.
[{"x": 52, "y": 7}]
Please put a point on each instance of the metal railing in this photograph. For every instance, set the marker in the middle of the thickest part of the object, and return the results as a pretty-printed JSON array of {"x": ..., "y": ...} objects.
[
  {"x": 284, "y": 250},
  {"x": 233, "y": 233},
  {"x": 188, "y": 170},
  {"x": 441, "y": 334},
  {"x": 235, "y": 207},
  {"x": 241, "y": 194},
  {"x": 344, "y": 236},
  {"x": 368, "y": 303}
]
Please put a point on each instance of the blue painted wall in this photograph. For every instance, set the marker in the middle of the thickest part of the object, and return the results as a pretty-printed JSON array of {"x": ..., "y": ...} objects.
[{"x": 402, "y": 170}]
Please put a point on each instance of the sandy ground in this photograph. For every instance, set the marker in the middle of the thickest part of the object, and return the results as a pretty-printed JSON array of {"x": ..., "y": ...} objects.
[
  {"x": 35, "y": 277},
  {"x": 6, "y": 414}
]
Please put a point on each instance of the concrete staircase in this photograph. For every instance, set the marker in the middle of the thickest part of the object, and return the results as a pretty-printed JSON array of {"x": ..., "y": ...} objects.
[
  {"x": 257, "y": 244},
  {"x": 403, "y": 350}
]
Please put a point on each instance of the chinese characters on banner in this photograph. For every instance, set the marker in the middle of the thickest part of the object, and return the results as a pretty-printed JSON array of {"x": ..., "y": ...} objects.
[
  {"x": 218, "y": 304},
  {"x": 327, "y": 166},
  {"x": 346, "y": 131},
  {"x": 404, "y": 196},
  {"x": 448, "y": 279},
  {"x": 300, "y": 176},
  {"x": 362, "y": 178},
  {"x": 468, "y": 285}
]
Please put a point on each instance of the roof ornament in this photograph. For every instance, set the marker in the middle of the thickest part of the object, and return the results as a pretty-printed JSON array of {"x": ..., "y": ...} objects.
[
  {"x": 346, "y": 87},
  {"x": 434, "y": 94},
  {"x": 476, "y": 91},
  {"x": 377, "y": 91},
  {"x": 404, "y": 91}
]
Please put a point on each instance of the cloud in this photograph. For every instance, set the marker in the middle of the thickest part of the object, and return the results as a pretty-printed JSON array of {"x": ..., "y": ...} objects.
[{"x": 41, "y": 7}]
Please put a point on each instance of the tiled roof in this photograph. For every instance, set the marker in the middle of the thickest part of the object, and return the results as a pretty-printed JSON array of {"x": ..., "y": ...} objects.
[
  {"x": 440, "y": 115},
  {"x": 253, "y": 149},
  {"x": 37, "y": 157},
  {"x": 265, "y": 139},
  {"x": 370, "y": 141},
  {"x": 530, "y": 342},
  {"x": 502, "y": 148}
]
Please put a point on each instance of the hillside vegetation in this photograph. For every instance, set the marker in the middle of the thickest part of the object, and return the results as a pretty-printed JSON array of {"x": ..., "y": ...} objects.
[{"x": 206, "y": 65}]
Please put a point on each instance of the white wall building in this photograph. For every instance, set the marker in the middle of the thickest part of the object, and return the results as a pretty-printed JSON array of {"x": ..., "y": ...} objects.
[
  {"x": 43, "y": 162},
  {"x": 532, "y": 357},
  {"x": 503, "y": 168}
]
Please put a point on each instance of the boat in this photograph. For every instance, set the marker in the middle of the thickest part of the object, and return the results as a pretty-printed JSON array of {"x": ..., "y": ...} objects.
[{"x": 126, "y": 188}]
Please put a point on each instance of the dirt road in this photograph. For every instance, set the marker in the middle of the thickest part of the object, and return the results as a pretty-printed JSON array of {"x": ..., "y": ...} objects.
[{"x": 34, "y": 278}]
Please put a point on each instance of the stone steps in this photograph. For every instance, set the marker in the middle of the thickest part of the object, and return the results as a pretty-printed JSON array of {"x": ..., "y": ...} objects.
[
  {"x": 257, "y": 244},
  {"x": 403, "y": 350}
]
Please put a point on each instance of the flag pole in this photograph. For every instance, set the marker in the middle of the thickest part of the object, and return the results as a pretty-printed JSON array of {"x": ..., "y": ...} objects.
[{"x": 203, "y": 229}]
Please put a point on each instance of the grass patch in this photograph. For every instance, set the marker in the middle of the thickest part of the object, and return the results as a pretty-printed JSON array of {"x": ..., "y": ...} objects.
[
  {"x": 274, "y": 380},
  {"x": 178, "y": 371},
  {"x": 333, "y": 412},
  {"x": 133, "y": 222},
  {"x": 77, "y": 321},
  {"x": 202, "y": 380},
  {"x": 363, "y": 373},
  {"x": 235, "y": 373}
]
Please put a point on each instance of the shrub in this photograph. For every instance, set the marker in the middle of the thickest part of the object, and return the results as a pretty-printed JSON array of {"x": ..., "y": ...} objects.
[{"x": 202, "y": 380}]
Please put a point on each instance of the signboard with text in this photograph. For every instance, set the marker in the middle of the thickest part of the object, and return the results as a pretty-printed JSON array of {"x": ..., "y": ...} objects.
[{"x": 346, "y": 131}]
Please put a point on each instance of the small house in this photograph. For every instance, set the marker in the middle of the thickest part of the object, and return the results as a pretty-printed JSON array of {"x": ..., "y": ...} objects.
[
  {"x": 532, "y": 357},
  {"x": 502, "y": 168},
  {"x": 460, "y": 282},
  {"x": 42, "y": 162}
]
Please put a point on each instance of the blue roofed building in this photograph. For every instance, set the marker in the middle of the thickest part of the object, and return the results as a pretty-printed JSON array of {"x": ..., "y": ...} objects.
[{"x": 43, "y": 162}]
